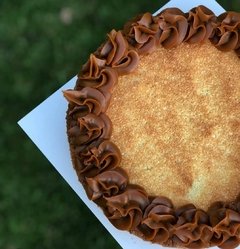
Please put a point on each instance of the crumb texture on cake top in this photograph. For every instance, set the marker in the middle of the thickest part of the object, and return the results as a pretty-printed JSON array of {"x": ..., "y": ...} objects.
[{"x": 176, "y": 120}]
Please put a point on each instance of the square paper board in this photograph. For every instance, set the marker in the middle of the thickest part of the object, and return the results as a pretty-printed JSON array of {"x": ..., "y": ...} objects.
[{"x": 46, "y": 127}]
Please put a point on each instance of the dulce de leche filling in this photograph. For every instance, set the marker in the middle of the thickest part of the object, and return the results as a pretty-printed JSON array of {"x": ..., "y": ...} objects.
[{"x": 176, "y": 121}]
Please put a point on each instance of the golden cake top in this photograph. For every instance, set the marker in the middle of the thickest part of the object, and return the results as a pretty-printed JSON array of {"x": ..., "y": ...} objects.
[{"x": 178, "y": 125}]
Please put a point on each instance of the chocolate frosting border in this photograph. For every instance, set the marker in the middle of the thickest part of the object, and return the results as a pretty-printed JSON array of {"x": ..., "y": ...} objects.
[{"x": 97, "y": 160}]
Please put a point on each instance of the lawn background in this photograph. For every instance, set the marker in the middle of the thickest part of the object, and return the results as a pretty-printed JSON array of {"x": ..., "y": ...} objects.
[{"x": 42, "y": 45}]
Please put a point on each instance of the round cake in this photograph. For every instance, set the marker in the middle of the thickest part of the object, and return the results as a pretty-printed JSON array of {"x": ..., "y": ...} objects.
[{"x": 153, "y": 125}]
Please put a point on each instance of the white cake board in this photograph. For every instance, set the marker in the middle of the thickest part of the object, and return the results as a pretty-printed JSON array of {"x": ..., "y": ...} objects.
[{"x": 46, "y": 127}]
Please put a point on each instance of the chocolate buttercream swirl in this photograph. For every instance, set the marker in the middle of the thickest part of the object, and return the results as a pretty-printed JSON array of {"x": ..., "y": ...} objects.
[
  {"x": 115, "y": 48},
  {"x": 95, "y": 74},
  {"x": 157, "y": 221},
  {"x": 125, "y": 211},
  {"x": 97, "y": 157},
  {"x": 107, "y": 183},
  {"x": 192, "y": 229},
  {"x": 92, "y": 68},
  {"x": 226, "y": 226},
  {"x": 89, "y": 98},
  {"x": 89, "y": 128},
  {"x": 104, "y": 81},
  {"x": 117, "y": 54},
  {"x": 202, "y": 22},
  {"x": 144, "y": 33},
  {"x": 227, "y": 34},
  {"x": 174, "y": 26}
]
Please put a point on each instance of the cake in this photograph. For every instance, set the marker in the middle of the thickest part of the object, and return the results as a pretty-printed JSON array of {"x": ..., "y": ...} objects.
[{"x": 153, "y": 125}]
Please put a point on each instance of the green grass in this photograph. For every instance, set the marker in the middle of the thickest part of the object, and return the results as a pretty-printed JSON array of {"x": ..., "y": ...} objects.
[{"x": 38, "y": 53}]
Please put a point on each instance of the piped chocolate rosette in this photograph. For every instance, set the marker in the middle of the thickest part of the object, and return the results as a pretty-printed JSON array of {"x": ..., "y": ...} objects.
[{"x": 97, "y": 159}]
